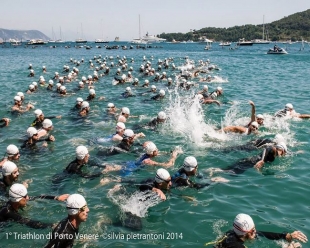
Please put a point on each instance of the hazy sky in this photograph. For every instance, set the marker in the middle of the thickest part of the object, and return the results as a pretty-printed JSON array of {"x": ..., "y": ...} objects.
[{"x": 108, "y": 19}]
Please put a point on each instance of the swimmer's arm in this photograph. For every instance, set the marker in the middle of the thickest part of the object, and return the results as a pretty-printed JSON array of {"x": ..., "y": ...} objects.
[
  {"x": 5, "y": 121},
  {"x": 261, "y": 162},
  {"x": 234, "y": 129},
  {"x": 31, "y": 223},
  {"x": 167, "y": 164},
  {"x": 253, "y": 118},
  {"x": 50, "y": 197},
  {"x": 209, "y": 101},
  {"x": 159, "y": 193}
]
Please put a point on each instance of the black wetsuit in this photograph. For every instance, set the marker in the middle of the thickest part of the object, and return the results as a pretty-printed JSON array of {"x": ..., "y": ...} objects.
[
  {"x": 8, "y": 213},
  {"x": 180, "y": 179},
  {"x": 32, "y": 145},
  {"x": 281, "y": 113},
  {"x": 231, "y": 240},
  {"x": 157, "y": 97},
  {"x": 38, "y": 123},
  {"x": 241, "y": 166},
  {"x": 128, "y": 94},
  {"x": 75, "y": 168},
  {"x": 2, "y": 124},
  {"x": 252, "y": 145},
  {"x": 63, "y": 235},
  {"x": 90, "y": 98}
]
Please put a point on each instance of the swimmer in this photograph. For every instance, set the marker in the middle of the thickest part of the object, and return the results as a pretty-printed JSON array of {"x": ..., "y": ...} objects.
[
  {"x": 47, "y": 126},
  {"x": 17, "y": 107},
  {"x": 159, "y": 96},
  {"x": 289, "y": 111},
  {"x": 33, "y": 139},
  {"x": 78, "y": 103},
  {"x": 84, "y": 109},
  {"x": 190, "y": 168},
  {"x": 120, "y": 128},
  {"x": 242, "y": 130},
  {"x": 128, "y": 93},
  {"x": 37, "y": 123},
  {"x": 124, "y": 115},
  {"x": 12, "y": 154},
  {"x": 244, "y": 230},
  {"x": 50, "y": 85},
  {"x": 111, "y": 109},
  {"x": 18, "y": 199},
  {"x": 66, "y": 231},
  {"x": 5, "y": 122},
  {"x": 161, "y": 118},
  {"x": 258, "y": 118}
]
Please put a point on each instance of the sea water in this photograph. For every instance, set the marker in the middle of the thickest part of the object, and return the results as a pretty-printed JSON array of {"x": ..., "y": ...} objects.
[{"x": 276, "y": 197}]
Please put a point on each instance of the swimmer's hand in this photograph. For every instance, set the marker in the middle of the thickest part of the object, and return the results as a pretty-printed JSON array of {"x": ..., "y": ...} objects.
[
  {"x": 140, "y": 135},
  {"x": 259, "y": 164},
  {"x": 178, "y": 150},
  {"x": 159, "y": 193},
  {"x": 219, "y": 180},
  {"x": 298, "y": 235},
  {"x": 51, "y": 138},
  {"x": 6, "y": 120},
  {"x": 252, "y": 103},
  {"x": 294, "y": 245},
  {"x": 30, "y": 106},
  {"x": 58, "y": 116},
  {"x": 62, "y": 197},
  {"x": 25, "y": 183}
]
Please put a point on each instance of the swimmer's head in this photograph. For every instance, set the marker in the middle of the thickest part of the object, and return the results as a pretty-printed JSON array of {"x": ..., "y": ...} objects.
[
  {"x": 190, "y": 163},
  {"x": 12, "y": 150},
  {"x": 161, "y": 115},
  {"x": 8, "y": 168},
  {"x": 243, "y": 224},
  {"x": 17, "y": 192},
  {"x": 31, "y": 131},
  {"x": 125, "y": 110},
  {"x": 75, "y": 204},
  {"x": 162, "y": 93},
  {"x": 289, "y": 106},
  {"x": 81, "y": 152},
  {"x": 149, "y": 147}
]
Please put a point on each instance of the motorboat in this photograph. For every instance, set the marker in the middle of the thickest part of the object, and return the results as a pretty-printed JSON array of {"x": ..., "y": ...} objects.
[
  {"x": 225, "y": 44},
  {"x": 277, "y": 50},
  {"x": 152, "y": 38},
  {"x": 243, "y": 42},
  {"x": 80, "y": 40},
  {"x": 36, "y": 42},
  {"x": 101, "y": 41}
]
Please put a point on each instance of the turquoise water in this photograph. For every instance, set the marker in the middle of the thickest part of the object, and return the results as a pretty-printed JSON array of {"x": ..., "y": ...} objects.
[{"x": 276, "y": 198}]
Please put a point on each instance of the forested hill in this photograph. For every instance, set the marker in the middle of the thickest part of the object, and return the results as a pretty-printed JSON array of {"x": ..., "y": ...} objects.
[
  {"x": 6, "y": 34},
  {"x": 294, "y": 27}
]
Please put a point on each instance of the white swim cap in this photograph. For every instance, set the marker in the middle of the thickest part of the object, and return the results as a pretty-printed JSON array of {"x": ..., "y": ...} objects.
[
  {"x": 279, "y": 138},
  {"x": 50, "y": 82},
  {"x": 146, "y": 81},
  {"x": 289, "y": 106},
  {"x": 81, "y": 152},
  {"x": 164, "y": 73},
  {"x": 17, "y": 98},
  {"x": 282, "y": 146},
  {"x": 74, "y": 203},
  {"x": 17, "y": 192},
  {"x": 219, "y": 88},
  {"x": 205, "y": 87},
  {"x": 169, "y": 79},
  {"x": 162, "y": 93},
  {"x": 12, "y": 150},
  {"x": 162, "y": 115},
  {"x": 162, "y": 175},
  {"x": 62, "y": 88},
  {"x": 61, "y": 78},
  {"x": 120, "y": 125},
  {"x": 190, "y": 163},
  {"x": 129, "y": 73},
  {"x": 58, "y": 85},
  {"x": 260, "y": 116},
  {"x": 81, "y": 83},
  {"x": 79, "y": 99},
  {"x": 111, "y": 105},
  {"x": 123, "y": 76},
  {"x": 56, "y": 73},
  {"x": 255, "y": 124},
  {"x": 125, "y": 110},
  {"x": 32, "y": 71},
  {"x": 243, "y": 223},
  {"x": 92, "y": 92},
  {"x": 85, "y": 104},
  {"x": 8, "y": 167},
  {"x": 128, "y": 89},
  {"x": 38, "y": 112},
  {"x": 89, "y": 77},
  {"x": 150, "y": 147},
  {"x": 83, "y": 78},
  {"x": 21, "y": 94},
  {"x": 47, "y": 123},
  {"x": 128, "y": 133},
  {"x": 153, "y": 87},
  {"x": 31, "y": 131},
  {"x": 136, "y": 80},
  {"x": 30, "y": 64},
  {"x": 35, "y": 83},
  {"x": 31, "y": 87}
]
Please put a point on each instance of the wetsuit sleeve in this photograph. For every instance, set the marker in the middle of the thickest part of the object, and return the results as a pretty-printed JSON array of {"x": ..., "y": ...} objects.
[
  {"x": 31, "y": 223},
  {"x": 3, "y": 125},
  {"x": 95, "y": 163},
  {"x": 49, "y": 197},
  {"x": 271, "y": 235},
  {"x": 50, "y": 117}
]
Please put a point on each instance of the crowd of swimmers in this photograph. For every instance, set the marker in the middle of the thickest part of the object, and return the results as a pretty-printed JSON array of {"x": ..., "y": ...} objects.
[{"x": 186, "y": 77}]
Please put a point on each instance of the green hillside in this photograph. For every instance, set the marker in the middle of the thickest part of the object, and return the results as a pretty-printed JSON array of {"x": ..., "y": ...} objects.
[{"x": 294, "y": 27}]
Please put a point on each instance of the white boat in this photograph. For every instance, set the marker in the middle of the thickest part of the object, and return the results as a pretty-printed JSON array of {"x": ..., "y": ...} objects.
[
  {"x": 205, "y": 40},
  {"x": 263, "y": 40},
  {"x": 225, "y": 44},
  {"x": 139, "y": 41},
  {"x": 101, "y": 41},
  {"x": 243, "y": 42},
  {"x": 152, "y": 39},
  {"x": 36, "y": 42},
  {"x": 81, "y": 40},
  {"x": 277, "y": 50}
]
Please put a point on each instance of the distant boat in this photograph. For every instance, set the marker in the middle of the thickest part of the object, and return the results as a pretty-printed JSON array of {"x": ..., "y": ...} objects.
[
  {"x": 225, "y": 44},
  {"x": 139, "y": 41},
  {"x": 116, "y": 39},
  {"x": 81, "y": 40},
  {"x": 101, "y": 41},
  {"x": 152, "y": 38},
  {"x": 262, "y": 41},
  {"x": 243, "y": 42},
  {"x": 174, "y": 41},
  {"x": 36, "y": 42},
  {"x": 205, "y": 40}
]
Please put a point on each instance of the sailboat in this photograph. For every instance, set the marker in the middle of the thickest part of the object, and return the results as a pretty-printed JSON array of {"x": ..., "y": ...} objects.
[
  {"x": 101, "y": 40},
  {"x": 81, "y": 40},
  {"x": 60, "y": 40},
  {"x": 262, "y": 41},
  {"x": 53, "y": 37},
  {"x": 139, "y": 41}
]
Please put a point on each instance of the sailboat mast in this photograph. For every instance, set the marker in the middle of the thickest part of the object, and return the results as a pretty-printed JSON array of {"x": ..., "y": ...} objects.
[
  {"x": 139, "y": 29},
  {"x": 263, "y": 27}
]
